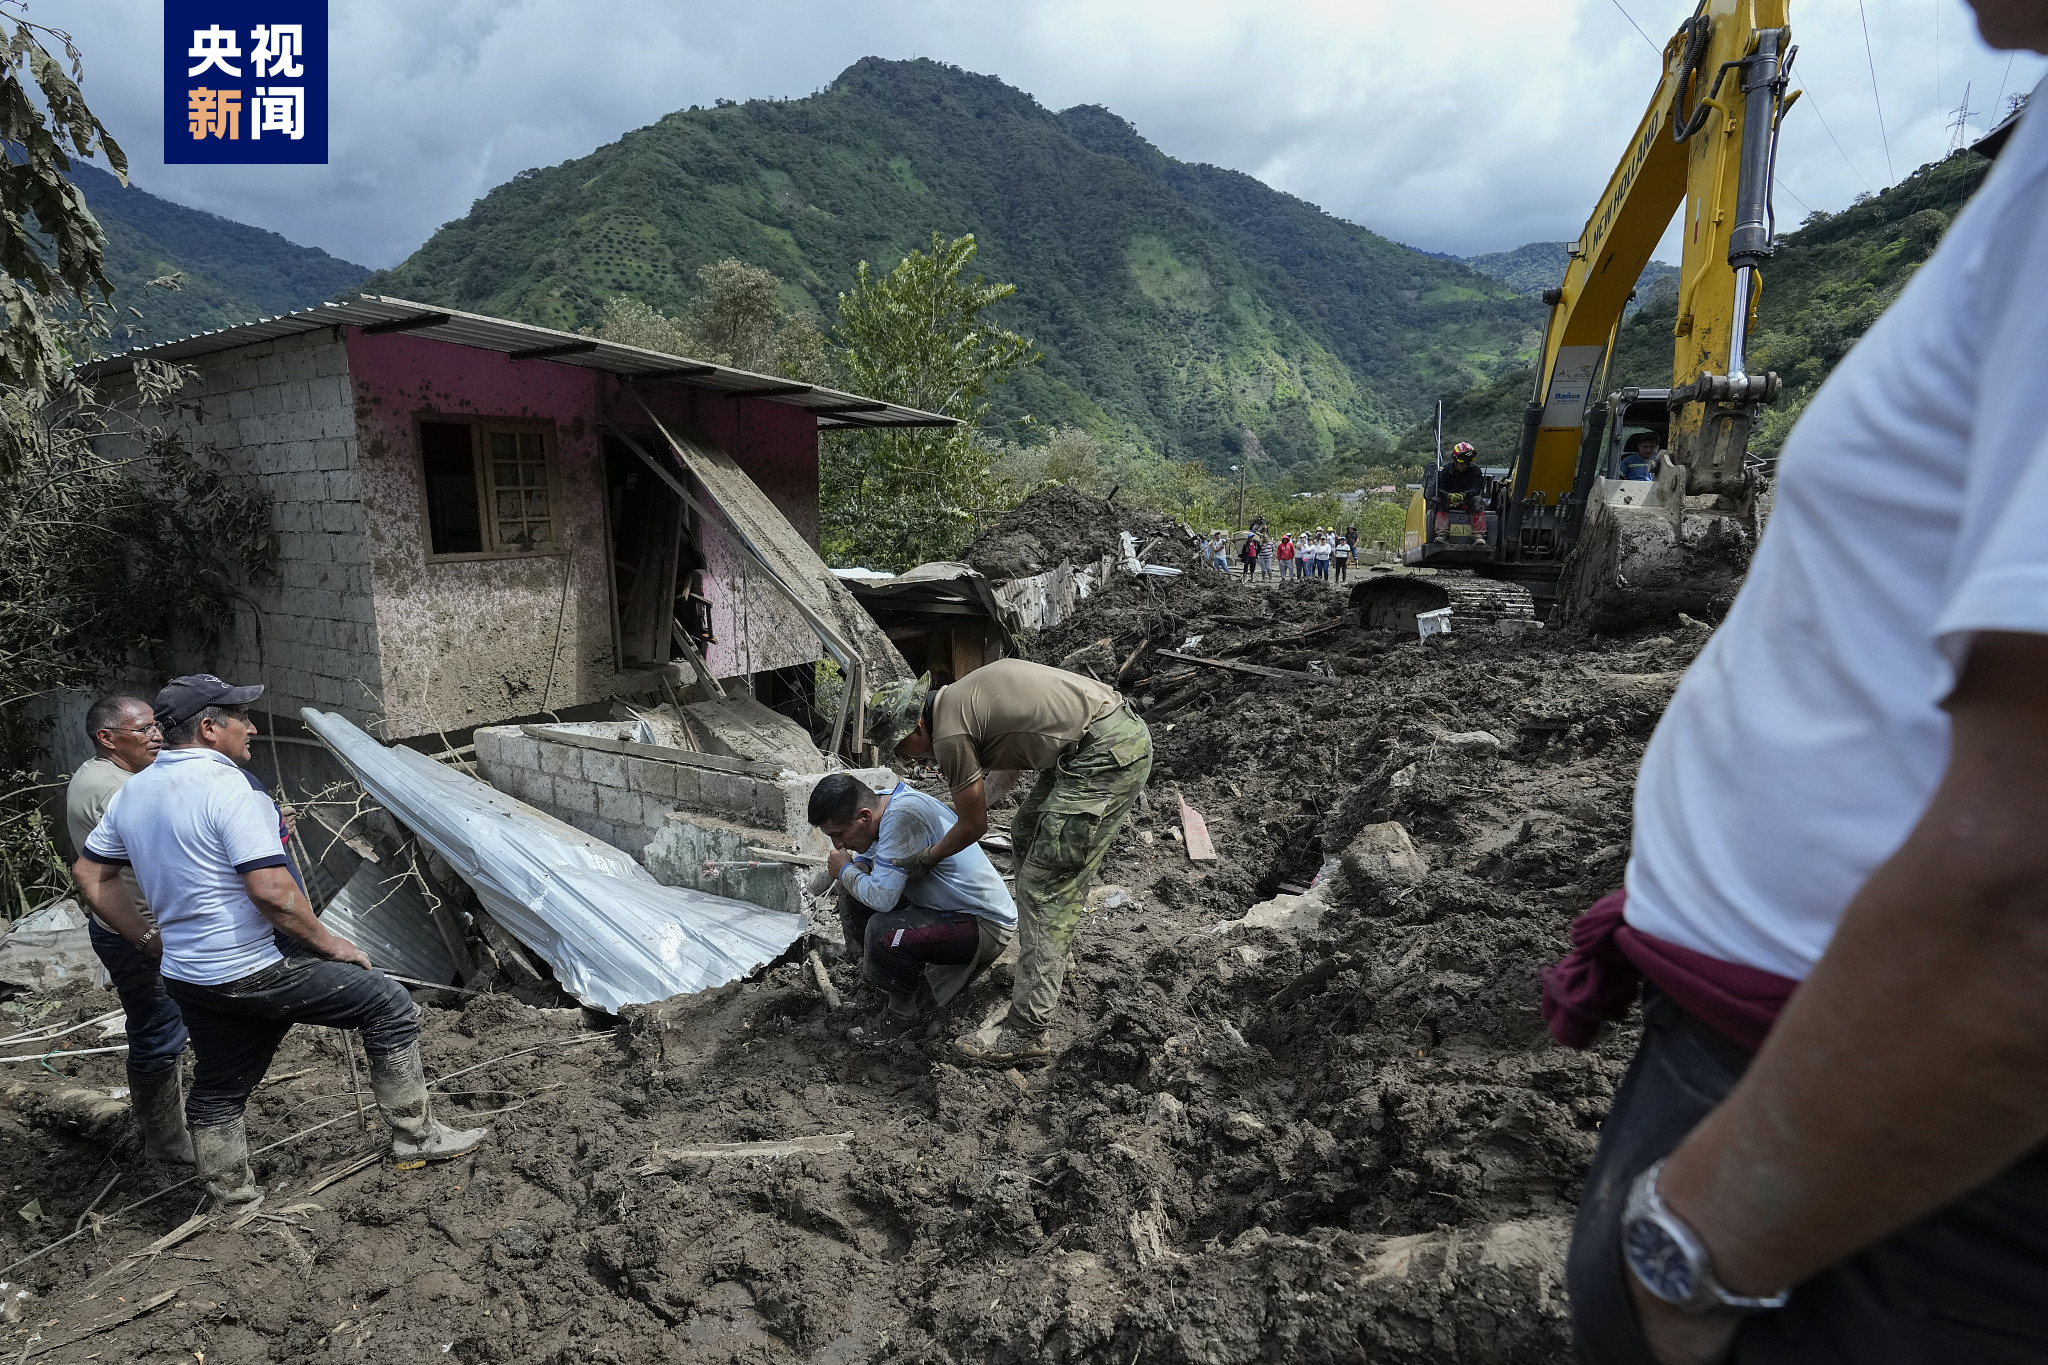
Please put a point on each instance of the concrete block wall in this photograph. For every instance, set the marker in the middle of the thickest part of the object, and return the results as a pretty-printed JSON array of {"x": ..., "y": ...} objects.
[
  {"x": 671, "y": 816},
  {"x": 283, "y": 413}
]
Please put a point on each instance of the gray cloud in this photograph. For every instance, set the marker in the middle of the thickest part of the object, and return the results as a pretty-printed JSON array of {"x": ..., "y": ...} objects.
[{"x": 1464, "y": 126}]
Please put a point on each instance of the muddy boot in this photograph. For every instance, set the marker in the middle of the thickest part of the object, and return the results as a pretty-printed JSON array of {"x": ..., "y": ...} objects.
[
  {"x": 1011, "y": 1047},
  {"x": 158, "y": 1101},
  {"x": 416, "y": 1136},
  {"x": 221, "y": 1151}
]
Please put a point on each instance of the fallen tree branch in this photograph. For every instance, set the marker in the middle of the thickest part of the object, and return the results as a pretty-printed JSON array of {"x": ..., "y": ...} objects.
[
  {"x": 1254, "y": 670},
  {"x": 712, "y": 1151}
]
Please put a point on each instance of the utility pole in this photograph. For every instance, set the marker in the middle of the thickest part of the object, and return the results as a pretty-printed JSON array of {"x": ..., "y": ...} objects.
[
  {"x": 1242, "y": 471},
  {"x": 1959, "y": 124}
]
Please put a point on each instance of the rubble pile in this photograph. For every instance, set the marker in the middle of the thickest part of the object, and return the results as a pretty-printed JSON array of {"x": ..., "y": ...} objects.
[
  {"x": 1306, "y": 1111},
  {"x": 1059, "y": 525}
]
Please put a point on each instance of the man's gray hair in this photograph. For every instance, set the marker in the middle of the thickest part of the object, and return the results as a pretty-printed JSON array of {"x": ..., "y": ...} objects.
[
  {"x": 105, "y": 714},
  {"x": 188, "y": 731}
]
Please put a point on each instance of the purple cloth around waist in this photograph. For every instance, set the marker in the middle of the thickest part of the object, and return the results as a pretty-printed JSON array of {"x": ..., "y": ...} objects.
[{"x": 1595, "y": 983}]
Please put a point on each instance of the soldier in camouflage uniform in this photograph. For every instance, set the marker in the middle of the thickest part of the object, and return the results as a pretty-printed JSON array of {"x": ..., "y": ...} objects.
[{"x": 1092, "y": 754}]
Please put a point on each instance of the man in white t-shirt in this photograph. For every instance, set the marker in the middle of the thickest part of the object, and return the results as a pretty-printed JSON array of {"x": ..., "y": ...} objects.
[
  {"x": 1844, "y": 813},
  {"x": 204, "y": 844}
]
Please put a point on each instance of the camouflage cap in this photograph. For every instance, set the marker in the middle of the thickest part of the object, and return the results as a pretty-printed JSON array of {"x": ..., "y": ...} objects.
[{"x": 894, "y": 709}]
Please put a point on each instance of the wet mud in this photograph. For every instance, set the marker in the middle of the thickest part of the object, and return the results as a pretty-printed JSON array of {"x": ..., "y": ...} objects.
[{"x": 1305, "y": 1108}]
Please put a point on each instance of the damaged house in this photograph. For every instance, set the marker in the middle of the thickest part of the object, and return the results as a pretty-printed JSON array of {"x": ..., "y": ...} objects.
[{"x": 581, "y": 571}]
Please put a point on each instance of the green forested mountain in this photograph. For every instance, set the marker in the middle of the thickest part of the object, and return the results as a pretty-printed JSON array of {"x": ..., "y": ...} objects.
[
  {"x": 1179, "y": 306},
  {"x": 1827, "y": 283},
  {"x": 233, "y": 272},
  {"x": 1536, "y": 266}
]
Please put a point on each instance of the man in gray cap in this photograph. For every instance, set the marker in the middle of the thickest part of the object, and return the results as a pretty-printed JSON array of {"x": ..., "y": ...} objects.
[{"x": 206, "y": 849}]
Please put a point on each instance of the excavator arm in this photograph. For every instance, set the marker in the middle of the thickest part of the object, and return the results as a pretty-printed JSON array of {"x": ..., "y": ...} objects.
[{"x": 1706, "y": 142}]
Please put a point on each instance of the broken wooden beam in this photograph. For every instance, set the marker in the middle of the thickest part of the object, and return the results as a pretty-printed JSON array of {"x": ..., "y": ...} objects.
[
  {"x": 1254, "y": 670},
  {"x": 823, "y": 978},
  {"x": 719, "y": 1151}
]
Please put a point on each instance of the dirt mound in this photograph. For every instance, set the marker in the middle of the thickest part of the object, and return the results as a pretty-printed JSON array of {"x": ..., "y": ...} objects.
[
  {"x": 1328, "y": 1130},
  {"x": 1061, "y": 524}
]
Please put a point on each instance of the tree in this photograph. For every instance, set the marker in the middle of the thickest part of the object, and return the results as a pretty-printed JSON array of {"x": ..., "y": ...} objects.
[
  {"x": 917, "y": 337},
  {"x": 739, "y": 321},
  {"x": 109, "y": 555}
]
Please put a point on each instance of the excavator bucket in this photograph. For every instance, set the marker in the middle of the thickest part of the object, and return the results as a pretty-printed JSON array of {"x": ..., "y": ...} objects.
[{"x": 1636, "y": 564}]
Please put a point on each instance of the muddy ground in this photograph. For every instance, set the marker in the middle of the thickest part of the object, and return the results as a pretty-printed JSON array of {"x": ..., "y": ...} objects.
[{"x": 1341, "y": 1136}]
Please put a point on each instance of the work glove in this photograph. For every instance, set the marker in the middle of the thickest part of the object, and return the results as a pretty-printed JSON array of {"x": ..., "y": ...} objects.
[{"x": 922, "y": 861}]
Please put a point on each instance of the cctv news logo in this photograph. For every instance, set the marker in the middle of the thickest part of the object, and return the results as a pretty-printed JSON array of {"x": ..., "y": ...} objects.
[{"x": 245, "y": 82}]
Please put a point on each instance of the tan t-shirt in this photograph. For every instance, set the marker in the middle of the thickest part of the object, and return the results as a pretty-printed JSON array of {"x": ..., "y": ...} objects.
[
  {"x": 1013, "y": 714},
  {"x": 85, "y": 801}
]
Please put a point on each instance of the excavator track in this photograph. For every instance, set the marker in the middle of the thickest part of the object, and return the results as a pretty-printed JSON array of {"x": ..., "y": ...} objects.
[{"x": 1391, "y": 600}]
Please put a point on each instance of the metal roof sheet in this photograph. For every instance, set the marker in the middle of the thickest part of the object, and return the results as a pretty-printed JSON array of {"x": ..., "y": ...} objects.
[{"x": 524, "y": 341}]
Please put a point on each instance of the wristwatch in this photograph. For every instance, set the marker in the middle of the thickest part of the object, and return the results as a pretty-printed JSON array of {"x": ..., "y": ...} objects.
[{"x": 1670, "y": 1261}]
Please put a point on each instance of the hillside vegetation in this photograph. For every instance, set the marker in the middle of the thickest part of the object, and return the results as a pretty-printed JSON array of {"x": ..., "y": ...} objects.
[
  {"x": 1828, "y": 282},
  {"x": 1536, "y": 266},
  {"x": 233, "y": 272},
  {"x": 1191, "y": 310}
]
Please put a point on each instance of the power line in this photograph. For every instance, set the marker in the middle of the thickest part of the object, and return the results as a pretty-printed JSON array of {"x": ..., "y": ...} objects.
[
  {"x": 1814, "y": 104},
  {"x": 1871, "y": 57},
  {"x": 1999, "y": 103},
  {"x": 1638, "y": 28},
  {"x": 1795, "y": 198}
]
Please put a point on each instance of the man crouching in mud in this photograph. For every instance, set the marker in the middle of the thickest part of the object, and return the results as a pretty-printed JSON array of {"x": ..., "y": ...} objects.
[
  {"x": 1092, "y": 754},
  {"x": 1829, "y": 1147},
  {"x": 206, "y": 849},
  {"x": 923, "y": 941}
]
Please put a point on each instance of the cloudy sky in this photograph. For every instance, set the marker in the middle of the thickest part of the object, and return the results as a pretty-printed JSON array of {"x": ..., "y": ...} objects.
[{"x": 1459, "y": 125}]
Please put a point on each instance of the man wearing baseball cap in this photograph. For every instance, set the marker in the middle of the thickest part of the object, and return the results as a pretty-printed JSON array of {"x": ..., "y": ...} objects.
[{"x": 205, "y": 847}]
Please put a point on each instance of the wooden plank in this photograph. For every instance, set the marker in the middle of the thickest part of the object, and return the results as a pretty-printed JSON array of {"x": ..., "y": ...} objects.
[
  {"x": 715, "y": 1151},
  {"x": 1195, "y": 830},
  {"x": 658, "y": 752},
  {"x": 111, "y": 1320},
  {"x": 1254, "y": 670}
]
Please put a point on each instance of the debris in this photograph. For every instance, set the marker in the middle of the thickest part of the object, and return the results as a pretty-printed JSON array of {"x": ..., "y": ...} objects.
[
  {"x": 1438, "y": 622},
  {"x": 718, "y": 1151},
  {"x": 613, "y": 934},
  {"x": 823, "y": 978},
  {"x": 1381, "y": 856},
  {"x": 50, "y": 947},
  {"x": 111, "y": 1320},
  {"x": 1195, "y": 830},
  {"x": 1254, "y": 670}
]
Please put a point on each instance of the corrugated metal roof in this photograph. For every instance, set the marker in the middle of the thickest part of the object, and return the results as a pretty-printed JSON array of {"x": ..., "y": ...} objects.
[{"x": 524, "y": 341}]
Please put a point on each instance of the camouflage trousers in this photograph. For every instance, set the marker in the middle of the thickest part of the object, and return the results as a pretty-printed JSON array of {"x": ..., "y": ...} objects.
[{"x": 1060, "y": 836}]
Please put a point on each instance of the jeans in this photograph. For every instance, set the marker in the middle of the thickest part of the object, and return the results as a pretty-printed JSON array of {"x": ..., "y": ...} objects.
[
  {"x": 156, "y": 1031},
  {"x": 894, "y": 945},
  {"x": 1962, "y": 1286},
  {"x": 237, "y": 1025}
]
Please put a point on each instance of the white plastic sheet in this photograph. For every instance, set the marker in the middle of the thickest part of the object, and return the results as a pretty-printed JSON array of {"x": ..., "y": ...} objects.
[{"x": 613, "y": 934}]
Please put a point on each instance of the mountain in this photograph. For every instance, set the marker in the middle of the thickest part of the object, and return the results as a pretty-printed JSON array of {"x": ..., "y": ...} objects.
[
  {"x": 1827, "y": 283},
  {"x": 1178, "y": 305},
  {"x": 233, "y": 272},
  {"x": 1536, "y": 266}
]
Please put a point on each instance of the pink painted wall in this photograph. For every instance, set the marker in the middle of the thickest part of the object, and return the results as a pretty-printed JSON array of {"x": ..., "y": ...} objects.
[{"x": 468, "y": 642}]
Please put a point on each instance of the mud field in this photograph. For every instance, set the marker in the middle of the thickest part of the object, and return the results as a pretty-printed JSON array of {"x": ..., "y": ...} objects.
[{"x": 1337, "y": 1132}]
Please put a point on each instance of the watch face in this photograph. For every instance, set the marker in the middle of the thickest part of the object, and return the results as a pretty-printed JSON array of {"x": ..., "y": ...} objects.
[{"x": 1658, "y": 1260}]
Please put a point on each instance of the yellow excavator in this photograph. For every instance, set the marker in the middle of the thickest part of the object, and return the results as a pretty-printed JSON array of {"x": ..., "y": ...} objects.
[{"x": 1569, "y": 537}]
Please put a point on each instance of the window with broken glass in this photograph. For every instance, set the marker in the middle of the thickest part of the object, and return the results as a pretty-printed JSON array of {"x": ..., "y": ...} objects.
[{"x": 488, "y": 488}]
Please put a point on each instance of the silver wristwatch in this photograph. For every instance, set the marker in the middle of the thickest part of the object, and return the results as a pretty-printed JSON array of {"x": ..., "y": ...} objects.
[{"x": 1669, "y": 1260}]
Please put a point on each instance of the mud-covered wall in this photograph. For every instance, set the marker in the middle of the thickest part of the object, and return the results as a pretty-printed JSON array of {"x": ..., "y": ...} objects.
[
  {"x": 465, "y": 642},
  {"x": 281, "y": 412},
  {"x": 777, "y": 446}
]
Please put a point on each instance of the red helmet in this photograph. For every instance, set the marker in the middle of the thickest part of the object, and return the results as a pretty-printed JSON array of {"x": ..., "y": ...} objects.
[{"x": 1463, "y": 451}]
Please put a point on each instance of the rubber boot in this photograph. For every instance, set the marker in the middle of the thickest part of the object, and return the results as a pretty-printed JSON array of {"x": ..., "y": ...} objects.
[
  {"x": 1012, "y": 1046},
  {"x": 222, "y": 1154},
  {"x": 158, "y": 1100},
  {"x": 416, "y": 1136}
]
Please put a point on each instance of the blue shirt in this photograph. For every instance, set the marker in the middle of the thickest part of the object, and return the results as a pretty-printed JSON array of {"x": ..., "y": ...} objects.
[
  {"x": 967, "y": 881},
  {"x": 191, "y": 824}
]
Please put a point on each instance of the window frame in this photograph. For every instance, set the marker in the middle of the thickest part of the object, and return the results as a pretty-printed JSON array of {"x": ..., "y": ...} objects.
[{"x": 480, "y": 428}]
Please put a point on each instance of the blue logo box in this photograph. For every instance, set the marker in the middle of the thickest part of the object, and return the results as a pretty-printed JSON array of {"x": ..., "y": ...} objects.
[{"x": 245, "y": 83}]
